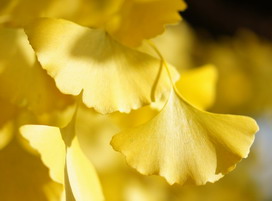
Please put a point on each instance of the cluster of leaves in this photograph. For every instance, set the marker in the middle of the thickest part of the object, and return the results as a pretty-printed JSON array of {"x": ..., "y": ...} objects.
[{"x": 73, "y": 75}]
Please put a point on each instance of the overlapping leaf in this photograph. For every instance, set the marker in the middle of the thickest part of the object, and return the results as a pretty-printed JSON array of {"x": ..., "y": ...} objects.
[
  {"x": 112, "y": 77},
  {"x": 67, "y": 163},
  {"x": 186, "y": 145},
  {"x": 129, "y": 21},
  {"x": 143, "y": 19}
]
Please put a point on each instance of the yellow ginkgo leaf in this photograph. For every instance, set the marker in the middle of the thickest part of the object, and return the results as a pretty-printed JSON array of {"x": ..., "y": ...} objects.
[
  {"x": 143, "y": 19},
  {"x": 82, "y": 175},
  {"x": 186, "y": 145},
  {"x": 48, "y": 142},
  {"x": 112, "y": 77},
  {"x": 22, "y": 80},
  {"x": 198, "y": 86},
  {"x": 67, "y": 163}
]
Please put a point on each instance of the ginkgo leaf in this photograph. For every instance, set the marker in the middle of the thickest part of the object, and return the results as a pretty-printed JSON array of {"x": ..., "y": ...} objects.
[
  {"x": 112, "y": 77},
  {"x": 143, "y": 19},
  {"x": 22, "y": 80},
  {"x": 67, "y": 163},
  {"x": 198, "y": 86},
  {"x": 48, "y": 142},
  {"x": 82, "y": 175},
  {"x": 186, "y": 145}
]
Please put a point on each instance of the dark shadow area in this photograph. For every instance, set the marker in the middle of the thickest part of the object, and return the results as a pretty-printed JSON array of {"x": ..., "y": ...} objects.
[{"x": 227, "y": 16}]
